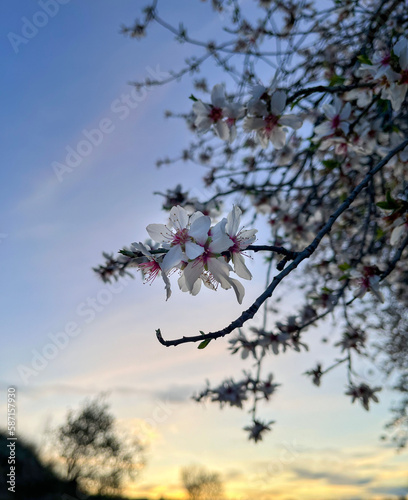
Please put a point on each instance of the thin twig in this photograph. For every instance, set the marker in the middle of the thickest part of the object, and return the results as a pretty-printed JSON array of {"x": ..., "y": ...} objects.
[{"x": 305, "y": 254}]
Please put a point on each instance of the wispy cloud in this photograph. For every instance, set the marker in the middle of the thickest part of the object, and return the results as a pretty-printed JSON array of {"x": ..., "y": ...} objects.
[
  {"x": 397, "y": 490},
  {"x": 332, "y": 477},
  {"x": 172, "y": 393}
]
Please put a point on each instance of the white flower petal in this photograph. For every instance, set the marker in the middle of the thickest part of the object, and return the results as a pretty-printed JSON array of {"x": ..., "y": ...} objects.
[
  {"x": 239, "y": 266},
  {"x": 220, "y": 241},
  {"x": 222, "y": 130},
  {"x": 337, "y": 102},
  {"x": 258, "y": 108},
  {"x": 278, "y": 137},
  {"x": 199, "y": 229},
  {"x": 179, "y": 217},
  {"x": 233, "y": 219},
  {"x": 191, "y": 273},
  {"x": 234, "y": 110},
  {"x": 203, "y": 123},
  {"x": 166, "y": 285},
  {"x": 278, "y": 102},
  {"x": 329, "y": 111},
  {"x": 247, "y": 237},
  {"x": 201, "y": 109},
  {"x": 139, "y": 247},
  {"x": 218, "y": 96},
  {"x": 323, "y": 129},
  {"x": 182, "y": 283},
  {"x": 375, "y": 289},
  {"x": 159, "y": 232},
  {"x": 220, "y": 270},
  {"x": 207, "y": 282},
  {"x": 172, "y": 258},
  {"x": 401, "y": 50},
  {"x": 345, "y": 127},
  {"x": 258, "y": 91},
  {"x": 238, "y": 289},
  {"x": 193, "y": 250},
  {"x": 397, "y": 234},
  {"x": 401, "y": 45},
  {"x": 291, "y": 121},
  {"x": 397, "y": 95},
  {"x": 253, "y": 123},
  {"x": 346, "y": 112},
  {"x": 233, "y": 134},
  {"x": 263, "y": 138},
  {"x": 195, "y": 216},
  {"x": 183, "y": 286}
]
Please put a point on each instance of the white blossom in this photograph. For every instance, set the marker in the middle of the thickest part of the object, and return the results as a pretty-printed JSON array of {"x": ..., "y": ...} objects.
[{"x": 267, "y": 121}]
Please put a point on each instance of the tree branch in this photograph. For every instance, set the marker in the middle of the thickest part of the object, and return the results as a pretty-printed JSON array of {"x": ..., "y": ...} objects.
[{"x": 305, "y": 254}]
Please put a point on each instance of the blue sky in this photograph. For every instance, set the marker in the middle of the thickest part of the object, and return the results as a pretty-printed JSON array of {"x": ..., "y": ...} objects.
[{"x": 65, "y": 80}]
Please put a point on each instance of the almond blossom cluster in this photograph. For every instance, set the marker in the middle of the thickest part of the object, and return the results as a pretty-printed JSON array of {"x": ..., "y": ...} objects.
[
  {"x": 329, "y": 118},
  {"x": 200, "y": 252},
  {"x": 263, "y": 116},
  {"x": 389, "y": 71}
]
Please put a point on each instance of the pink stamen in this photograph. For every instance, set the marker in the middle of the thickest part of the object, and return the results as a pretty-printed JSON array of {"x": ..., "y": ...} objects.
[
  {"x": 236, "y": 246},
  {"x": 181, "y": 237},
  {"x": 215, "y": 114},
  {"x": 365, "y": 283},
  {"x": 369, "y": 271},
  {"x": 151, "y": 270},
  {"x": 385, "y": 61},
  {"x": 209, "y": 278},
  {"x": 336, "y": 122},
  {"x": 270, "y": 122},
  {"x": 404, "y": 77}
]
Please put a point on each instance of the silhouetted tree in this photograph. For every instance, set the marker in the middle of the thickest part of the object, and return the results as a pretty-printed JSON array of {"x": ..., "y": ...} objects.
[
  {"x": 201, "y": 484},
  {"x": 96, "y": 456},
  {"x": 34, "y": 480}
]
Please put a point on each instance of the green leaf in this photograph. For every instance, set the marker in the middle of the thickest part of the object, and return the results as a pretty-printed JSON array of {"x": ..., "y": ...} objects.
[
  {"x": 193, "y": 98},
  {"x": 389, "y": 204},
  {"x": 391, "y": 200},
  {"x": 295, "y": 103},
  {"x": 204, "y": 343},
  {"x": 344, "y": 267},
  {"x": 364, "y": 59},
  {"x": 383, "y": 204},
  {"x": 379, "y": 234},
  {"x": 336, "y": 80},
  {"x": 330, "y": 164},
  {"x": 127, "y": 253},
  {"x": 383, "y": 105},
  {"x": 344, "y": 277}
]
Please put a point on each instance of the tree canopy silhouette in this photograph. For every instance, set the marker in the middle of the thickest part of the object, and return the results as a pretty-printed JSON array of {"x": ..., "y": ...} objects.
[
  {"x": 201, "y": 484},
  {"x": 96, "y": 455}
]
